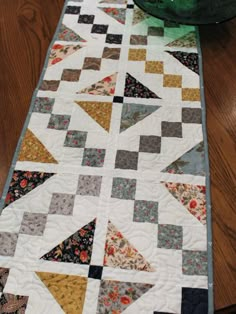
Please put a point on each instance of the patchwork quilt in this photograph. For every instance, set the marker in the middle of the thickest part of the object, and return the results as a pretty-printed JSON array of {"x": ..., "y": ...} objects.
[{"x": 104, "y": 211}]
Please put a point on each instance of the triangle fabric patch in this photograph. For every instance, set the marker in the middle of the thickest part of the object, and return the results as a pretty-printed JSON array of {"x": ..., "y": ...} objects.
[
  {"x": 33, "y": 150},
  {"x": 139, "y": 16},
  {"x": 68, "y": 290},
  {"x": 105, "y": 87},
  {"x": 192, "y": 197},
  {"x": 190, "y": 60},
  {"x": 67, "y": 34},
  {"x": 23, "y": 182},
  {"x": 188, "y": 40},
  {"x": 116, "y": 296},
  {"x": 76, "y": 249},
  {"x": 133, "y": 88},
  {"x": 116, "y": 13},
  {"x": 133, "y": 113},
  {"x": 192, "y": 162},
  {"x": 13, "y": 304},
  {"x": 4, "y": 273},
  {"x": 120, "y": 253},
  {"x": 98, "y": 111},
  {"x": 60, "y": 52}
]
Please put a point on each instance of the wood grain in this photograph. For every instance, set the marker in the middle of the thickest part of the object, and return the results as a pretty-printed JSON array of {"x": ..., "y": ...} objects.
[{"x": 26, "y": 29}]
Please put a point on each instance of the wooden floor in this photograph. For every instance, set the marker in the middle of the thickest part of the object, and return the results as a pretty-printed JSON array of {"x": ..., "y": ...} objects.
[{"x": 26, "y": 29}]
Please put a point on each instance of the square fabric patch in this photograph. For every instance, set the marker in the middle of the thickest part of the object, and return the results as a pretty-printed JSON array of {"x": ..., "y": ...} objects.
[
  {"x": 49, "y": 85},
  {"x": 137, "y": 54},
  {"x": 8, "y": 243},
  {"x": 95, "y": 272},
  {"x": 59, "y": 122},
  {"x": 72, "y": 9},
  {"x": 192, "y": 115},
  {"x": 138, "y": 40},
  {"x": 33, "y": 224},
  {"x": 114, "y": 39},
  {"x": 155, "y": 31},
  {"x": 111, "y": 53},
  {"x": 99, "y": 29},
  {"x": 171, "y": 80},
  {"x": 93, "y": 157},
  {"x": 126, "y": 160},
  {"x": 145, "y": 211},
  {"x": 92, "y": 64},
  {"x": 70, "y": 75},
  {"x": 190, "y": 94},
  {"x": 86, "y": 19},
  {"x": 171, "y": 129},
  {"x": 89, "y": 185},
  {"x": 43, "y": 104},
  {"x": 170, "y": 237},
  {"x": 194, "y": 263},
  {"x": 150, "y": 144},
  {"x": 154, "y": 67},
  {"x": 194, "y": 300},
  {"x": 75, "y": 139},
  {"x": 123, "y": 188},
  {"x": 62, "y": 204}
]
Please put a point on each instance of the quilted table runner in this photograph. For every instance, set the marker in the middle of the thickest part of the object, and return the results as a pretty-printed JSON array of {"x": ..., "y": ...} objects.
[{"x": 106, "y": 209}]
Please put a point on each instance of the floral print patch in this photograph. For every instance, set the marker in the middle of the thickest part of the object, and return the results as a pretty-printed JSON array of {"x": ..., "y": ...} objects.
[
  {"x": 75, "y": 138},
  {"x": 194, "y": 263},
  {"x": 117, "y": 13},
  {"x": 4, "y": 272},
  {"x": 105, "y": 87},
  {"x": 133, "y": 88},
  {"x": 192, "y": 162},
  {"x": 8, "y": 243},
  {"x": 139, "y": 16},
  {"x": 67, "y": 34},
  {"x": 13, "y": 304},
  {"x": 123, "y": 188},
  {"x": 33, "y": 224},
  {"x": 43, "y": 104},
  {"x": 61, "y": 204},
  {"x": 145, "y": 211},
  {"x": 170, "y": 237},
  {"x": 89, "y": 185},
  {"x": 188, "y": 41},
  {"x": 59, "y": 122},
  {"x": 133, "y": 113},
  {"x": 120, "y": 253},
  {"x": 93, "y": 157},
  {"x": 115, "y": 296},
  {"x": 60, "y": 52},
  {"x": 189, "y": 59},
  {"x": 193, "y": 198},
  {"x": 23, "y": 182},
  {"x": 76, "y": 249}
]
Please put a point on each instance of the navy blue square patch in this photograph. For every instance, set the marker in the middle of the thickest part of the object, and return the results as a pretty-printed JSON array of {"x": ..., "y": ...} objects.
[
  {"x": 95, "y": 272},
  {"x": 194, "y": 300}
]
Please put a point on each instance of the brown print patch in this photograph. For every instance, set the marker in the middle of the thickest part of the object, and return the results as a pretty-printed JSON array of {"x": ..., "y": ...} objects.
[
  {"x": 92, "y": 64},
  {"x": 70, "y": 75},
  {"x": 111, "y": 53},
  {"x": 137, "y": 54}
]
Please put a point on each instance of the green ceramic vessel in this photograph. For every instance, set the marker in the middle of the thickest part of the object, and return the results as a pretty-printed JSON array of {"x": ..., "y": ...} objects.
[{"x": 190, "y": 11}]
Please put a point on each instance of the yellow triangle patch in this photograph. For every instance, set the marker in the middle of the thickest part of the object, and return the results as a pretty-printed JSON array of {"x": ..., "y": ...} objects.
[
  {"x": 69, "y": 291},
  {"x": 99, "y": 111},
  {"x": 33, "y": 150}
]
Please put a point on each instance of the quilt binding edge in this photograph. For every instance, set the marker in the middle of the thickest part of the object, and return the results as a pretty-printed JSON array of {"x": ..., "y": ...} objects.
[{"x": 204, "y": 129}]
